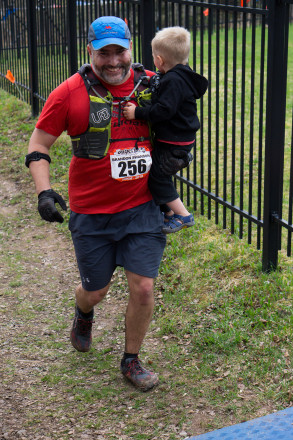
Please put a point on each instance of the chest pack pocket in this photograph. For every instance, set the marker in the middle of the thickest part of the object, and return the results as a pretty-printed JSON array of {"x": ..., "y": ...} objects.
[
  {"x": 95, "y": 142},
  {"x": 100, "y": 114}
]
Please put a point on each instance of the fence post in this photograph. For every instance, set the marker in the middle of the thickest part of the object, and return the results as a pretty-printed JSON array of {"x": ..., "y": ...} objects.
[
  {"x": 33, "y": 56},
  {"x": 147, "y": 20},
  {"x": 72, "y": 36},
  {"x": 275, "y": 129}
]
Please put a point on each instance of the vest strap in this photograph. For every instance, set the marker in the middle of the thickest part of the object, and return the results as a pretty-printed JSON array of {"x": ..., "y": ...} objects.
[{"x": 95, "y": 142}]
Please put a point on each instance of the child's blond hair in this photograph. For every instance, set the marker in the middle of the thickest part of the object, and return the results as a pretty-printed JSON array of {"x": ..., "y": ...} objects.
[{"x": 173, "y": 44}]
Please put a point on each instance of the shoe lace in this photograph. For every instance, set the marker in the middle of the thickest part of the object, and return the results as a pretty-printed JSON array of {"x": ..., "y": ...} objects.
[{"x": 135, "y": 366}]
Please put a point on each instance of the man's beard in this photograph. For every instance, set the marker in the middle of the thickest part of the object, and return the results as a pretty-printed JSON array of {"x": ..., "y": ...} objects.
[{"x": 111, "y": 78}]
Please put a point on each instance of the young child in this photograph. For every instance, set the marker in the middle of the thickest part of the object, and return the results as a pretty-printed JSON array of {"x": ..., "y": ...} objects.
[{"x": 174, "y": 121}]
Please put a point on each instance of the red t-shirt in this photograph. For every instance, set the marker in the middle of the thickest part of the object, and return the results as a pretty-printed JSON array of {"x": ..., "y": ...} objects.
[{"x": 92, "y": 187}]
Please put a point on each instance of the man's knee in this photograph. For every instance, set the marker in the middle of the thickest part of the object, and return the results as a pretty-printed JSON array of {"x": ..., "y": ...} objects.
[
  {"x": 141, "y": 289},
  {"x": 90, "y": 297}
]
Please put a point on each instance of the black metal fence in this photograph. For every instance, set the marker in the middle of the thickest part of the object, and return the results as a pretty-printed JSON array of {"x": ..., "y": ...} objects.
[{"x": 242, "y": 173}]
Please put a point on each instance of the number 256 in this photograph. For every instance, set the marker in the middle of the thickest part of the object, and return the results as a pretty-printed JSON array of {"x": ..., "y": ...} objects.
[{"x": 131, "y": 167}]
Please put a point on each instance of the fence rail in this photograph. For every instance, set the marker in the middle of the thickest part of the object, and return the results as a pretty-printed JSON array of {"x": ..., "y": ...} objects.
[{"x": 242, "y": 173}]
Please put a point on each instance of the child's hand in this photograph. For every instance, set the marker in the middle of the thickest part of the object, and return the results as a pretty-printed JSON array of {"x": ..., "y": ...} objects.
[{"x": 129, "y": 111}]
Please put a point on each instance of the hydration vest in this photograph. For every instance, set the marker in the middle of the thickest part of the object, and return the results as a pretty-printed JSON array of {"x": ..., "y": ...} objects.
[{"x": 95, "y": 142}]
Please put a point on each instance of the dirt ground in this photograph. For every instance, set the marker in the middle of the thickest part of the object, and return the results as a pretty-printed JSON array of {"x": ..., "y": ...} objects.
[
  {"x": 38, "y": 274},
  {"x": 48, "y": 270}
]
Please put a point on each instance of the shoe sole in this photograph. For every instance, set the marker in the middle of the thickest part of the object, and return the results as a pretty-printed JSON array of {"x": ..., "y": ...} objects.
[
  {"x": 178, "y": 228},
  {"x": 142, "y": 388}
]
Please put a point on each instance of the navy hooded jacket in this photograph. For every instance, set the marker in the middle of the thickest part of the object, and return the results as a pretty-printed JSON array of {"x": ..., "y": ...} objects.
[{"x": 173, "y": 109}]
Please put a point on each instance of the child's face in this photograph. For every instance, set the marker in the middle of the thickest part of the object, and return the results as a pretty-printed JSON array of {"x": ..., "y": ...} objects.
[{"x": 158, "y": 62}]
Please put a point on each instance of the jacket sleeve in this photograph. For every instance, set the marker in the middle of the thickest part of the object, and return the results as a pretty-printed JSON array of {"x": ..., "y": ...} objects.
[
  {"x": 201, "y": 85},
  {"x": 169, "y": 98},
  {"x": 143, "y": 112}
]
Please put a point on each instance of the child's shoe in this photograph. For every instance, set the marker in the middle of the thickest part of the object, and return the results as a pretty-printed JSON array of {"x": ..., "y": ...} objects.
[{"x": 177, "y": 222}]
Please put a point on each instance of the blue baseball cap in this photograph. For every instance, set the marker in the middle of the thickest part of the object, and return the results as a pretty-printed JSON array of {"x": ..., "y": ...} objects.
[{"x": 109, "y": 30}]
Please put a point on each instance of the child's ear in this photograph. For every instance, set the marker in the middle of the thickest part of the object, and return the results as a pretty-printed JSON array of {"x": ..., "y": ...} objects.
[{"x": 162, "y": 61}]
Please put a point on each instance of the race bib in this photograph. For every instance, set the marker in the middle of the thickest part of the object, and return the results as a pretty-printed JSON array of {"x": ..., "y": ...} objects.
[{"x": 130, "y": 163}]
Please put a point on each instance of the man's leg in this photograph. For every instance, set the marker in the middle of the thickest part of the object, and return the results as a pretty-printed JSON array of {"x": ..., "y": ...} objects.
[
  {"x": 137, "y": 319},
  {"x": 139, "y": 310},
  {"x": 81, "y": 332},
  {"x": 86, "y": 300}
]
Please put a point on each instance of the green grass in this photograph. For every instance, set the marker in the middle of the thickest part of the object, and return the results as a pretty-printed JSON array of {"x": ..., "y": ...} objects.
[
  {"x": 221, "y": 335},
  {"x": 228, "y": 133},
  {"x": 240, "y": 130}
]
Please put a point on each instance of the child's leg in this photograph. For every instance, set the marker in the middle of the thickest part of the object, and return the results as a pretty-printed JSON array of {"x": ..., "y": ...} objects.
[
  {"x": 181, "y": 218},
  {"x": 177, "y": 207}
]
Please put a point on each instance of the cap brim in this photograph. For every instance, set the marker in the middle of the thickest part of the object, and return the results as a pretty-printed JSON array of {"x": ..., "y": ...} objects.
[{"x": 98, "y": 44}]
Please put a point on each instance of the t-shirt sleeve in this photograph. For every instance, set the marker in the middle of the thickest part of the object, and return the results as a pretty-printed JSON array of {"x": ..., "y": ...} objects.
[
  {"x": 150, "y": 73},
  {"x": 66, "y": 108},
  {"x": 53, "y": 118}
]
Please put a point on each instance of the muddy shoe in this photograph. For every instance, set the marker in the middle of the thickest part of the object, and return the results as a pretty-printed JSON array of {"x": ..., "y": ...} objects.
[
  {"x": 81, "y": 332},
  {"x": 140, "y": 377}
]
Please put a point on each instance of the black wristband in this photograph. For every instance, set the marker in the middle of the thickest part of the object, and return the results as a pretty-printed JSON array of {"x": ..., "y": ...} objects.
[{"x": 35, "y": 156}]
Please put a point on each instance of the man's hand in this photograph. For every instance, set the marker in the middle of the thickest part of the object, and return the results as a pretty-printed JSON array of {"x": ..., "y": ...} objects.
[
  {"x": 129, "y": 111},
  {"x": 172, "y": 163},
  {"x": 46, "y": 206}
]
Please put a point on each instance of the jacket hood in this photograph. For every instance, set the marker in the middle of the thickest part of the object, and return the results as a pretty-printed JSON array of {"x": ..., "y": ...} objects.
[{"x": 196, "y": 82}]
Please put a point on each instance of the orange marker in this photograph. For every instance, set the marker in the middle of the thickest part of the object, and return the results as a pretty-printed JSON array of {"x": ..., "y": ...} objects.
[{"x": 10, "y": 77}]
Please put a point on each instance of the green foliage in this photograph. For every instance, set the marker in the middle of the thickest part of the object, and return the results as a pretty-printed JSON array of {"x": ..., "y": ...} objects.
[{"x": 220, "y": 339}]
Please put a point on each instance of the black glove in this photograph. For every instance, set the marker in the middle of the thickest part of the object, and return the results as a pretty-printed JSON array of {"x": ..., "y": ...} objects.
[
  {"x": 173, "y": 162},
  {"x": 46, "y": 206}
]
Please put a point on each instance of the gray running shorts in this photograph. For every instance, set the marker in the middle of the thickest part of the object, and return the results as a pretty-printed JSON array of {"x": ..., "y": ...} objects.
[{"x": 131, "y": 239}]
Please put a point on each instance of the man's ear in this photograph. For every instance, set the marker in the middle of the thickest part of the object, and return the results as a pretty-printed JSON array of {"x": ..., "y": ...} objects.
[
  {"x": 130, "y": 46},
  {"x": 89, "y": 49}
]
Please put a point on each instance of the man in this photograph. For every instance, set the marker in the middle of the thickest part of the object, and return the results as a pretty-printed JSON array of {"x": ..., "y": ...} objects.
[{"x": 113, "y": 220}]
